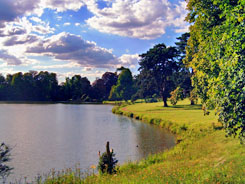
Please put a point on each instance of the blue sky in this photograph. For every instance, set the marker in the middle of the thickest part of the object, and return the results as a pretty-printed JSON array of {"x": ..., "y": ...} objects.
[{"x": 86, "y": 37}]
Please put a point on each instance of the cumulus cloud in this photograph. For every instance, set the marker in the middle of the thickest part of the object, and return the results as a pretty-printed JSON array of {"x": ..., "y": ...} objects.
[
  {"x": 24, "y": 26},
  {"x": 141, "y": 19},
  {"x": 11, "y": 9},
  {"x": 129, "y": 60},
  {"x": 16, "y": 40},
  {"x": 181, "y": 26},
  {"x": 61, "y": 6},
  {"x": 9, "y": 59},
  {"x": 58, "y": 66},
  {"x": 67, "y": 23},
  {"x": 69, "y": 47}
]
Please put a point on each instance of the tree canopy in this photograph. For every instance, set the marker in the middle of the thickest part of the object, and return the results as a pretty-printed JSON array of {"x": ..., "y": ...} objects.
[
  {"x": 43, "y": 86},
  {"x": 159, "y": 65},
  {"x": 124, "y": 89},
  {"x": 216, "y": 51}
]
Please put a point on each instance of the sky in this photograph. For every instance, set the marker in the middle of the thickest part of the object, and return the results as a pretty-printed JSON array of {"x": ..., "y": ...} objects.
[{"x": 85, "y": 37}]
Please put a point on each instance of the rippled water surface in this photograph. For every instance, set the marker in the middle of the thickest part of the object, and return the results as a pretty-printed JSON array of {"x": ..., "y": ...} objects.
[{"x": 46, "y": 136}]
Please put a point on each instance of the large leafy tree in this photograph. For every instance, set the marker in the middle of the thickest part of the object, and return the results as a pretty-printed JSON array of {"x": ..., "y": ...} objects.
[
  {"x": 146, "y": 86},
  {"x": 124, "y": 89},
  {"x": 76, "y": 87},
  {"x": 110, "y": 79},
  {"x": 159, "y": 63},
  {"x": 216, "y": 51},
  {"x": 99, "y": 90},
  {"x": 183, "y": 77}
]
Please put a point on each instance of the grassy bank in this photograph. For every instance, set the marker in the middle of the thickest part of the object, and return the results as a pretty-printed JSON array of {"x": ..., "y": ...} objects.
[{"x": 202, "y": 155}]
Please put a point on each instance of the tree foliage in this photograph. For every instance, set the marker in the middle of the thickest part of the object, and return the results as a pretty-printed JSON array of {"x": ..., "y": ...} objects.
[
  {"x": 176, "y": 95},
  {"x": 183, "y": 77},
  {"x": 159, "y": 65},
  {"x": 124, "y": 88},
  {"x": 216, "y": 51},
  {"x": 107, "y": 161},
  {"x": 43, "y": 86},
  {"x": 4, "y": 158}
]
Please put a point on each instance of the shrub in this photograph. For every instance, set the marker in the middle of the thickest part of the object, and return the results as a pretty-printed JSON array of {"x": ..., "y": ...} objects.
[
  {"x": 176, "y": 95},
  {"x": 193, "y": 97},
  {"x": 107, "y": 161},
  {"x": 4, "y": 157}
]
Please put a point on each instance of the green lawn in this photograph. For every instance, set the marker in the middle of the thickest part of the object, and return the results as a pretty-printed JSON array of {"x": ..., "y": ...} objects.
[{"x": 203, "y": 154}]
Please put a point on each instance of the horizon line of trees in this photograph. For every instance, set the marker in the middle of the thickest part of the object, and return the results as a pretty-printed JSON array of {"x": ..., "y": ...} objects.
[
  {"x": 161, "y": 71},
  {"x": 43, "y": 86}
]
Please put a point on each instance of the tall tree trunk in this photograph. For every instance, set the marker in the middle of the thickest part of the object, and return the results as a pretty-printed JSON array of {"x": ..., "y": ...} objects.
[{"x": 164, "y": 99}]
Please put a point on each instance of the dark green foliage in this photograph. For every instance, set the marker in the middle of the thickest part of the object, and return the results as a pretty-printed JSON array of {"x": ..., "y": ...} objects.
[
  {"x": 159, "y": 66},
  {"x": 75, "y": 87},
  {"x": 124, "y": 88},
  {"x": 107, "y": 161},
  {"x": 183, "y": 77},
  {"x": 177, "y": 94},
  {"x": 193, "y": 97},
  {"x": 215, "y": 51},
  {"x": 110, "y": 79},
  {"x": 30, "y": 86},
  {"x": 146, "y": 86},
  {"x": 4, "y": 158}
]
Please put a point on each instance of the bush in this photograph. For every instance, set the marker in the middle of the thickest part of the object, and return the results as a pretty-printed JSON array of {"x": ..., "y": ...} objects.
[
  {"x": 176, "y": 95},
  {"x": 4, "y": 157},
  {"x": 107, "y": 161},
  {"x": 193, "y": 97}
]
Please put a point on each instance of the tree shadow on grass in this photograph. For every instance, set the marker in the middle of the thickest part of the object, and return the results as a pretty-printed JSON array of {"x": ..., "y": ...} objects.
[
  {"x": 188, "y": 107},
  {"x": 176, "y": 107}
]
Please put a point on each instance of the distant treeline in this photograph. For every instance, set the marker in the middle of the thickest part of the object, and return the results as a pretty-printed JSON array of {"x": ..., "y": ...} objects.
[
  {"x": 43, "y": 86},
  {"x": 161, "y": 71}
]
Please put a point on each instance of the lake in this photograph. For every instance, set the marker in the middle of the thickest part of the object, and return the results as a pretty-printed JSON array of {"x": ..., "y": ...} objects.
[{"x": 46, "y": 136}]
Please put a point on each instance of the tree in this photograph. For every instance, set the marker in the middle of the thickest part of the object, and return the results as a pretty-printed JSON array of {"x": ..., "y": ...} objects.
[
  {"x": 3, "y": 87},
  {"x": 124, "y": 88},
  {"x": 110, "y": 79},
  {"x": 107, "y": 161},
  {"x": 146, "y": 86},
  {"x": 4, "y": 158},
  {"x": 183, "y": 77},
  {"x": 159, "y": 63},
  {"x": 47, "y": 86},
  {"x": 215, "y": 51},
  {"x": 76, "y": 87},
  {"x": 99, "y": 89}
]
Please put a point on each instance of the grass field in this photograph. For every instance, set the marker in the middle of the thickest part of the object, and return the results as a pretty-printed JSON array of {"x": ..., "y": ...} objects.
[{"x": 202, "y": 155}]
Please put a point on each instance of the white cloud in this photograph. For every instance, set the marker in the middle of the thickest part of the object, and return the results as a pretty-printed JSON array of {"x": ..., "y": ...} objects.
[
  {"x": 5, "y": 57},
  {"x": 77, "y": 24},
  {"x": 61, "y": 6},
  {"x": 12, "y": 9},
  {"x": 141, "y": 19},
  {"x": 128, "y": 60},
  {"x": 36, "y": 19},
  {"x": 23, "y": 26},
  {"x": 58, "y": 66},
  {"x": 181, "y": 26},
  {"x": 67, "y": 23},
  {"x": 69, "y": 47}
]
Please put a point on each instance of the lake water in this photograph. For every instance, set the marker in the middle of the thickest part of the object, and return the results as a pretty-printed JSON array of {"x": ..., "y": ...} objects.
[{"x": 46, "y": 136}]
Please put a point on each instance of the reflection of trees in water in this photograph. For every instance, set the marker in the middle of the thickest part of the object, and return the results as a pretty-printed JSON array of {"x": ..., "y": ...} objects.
[{"x": 148, "y": 139}]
